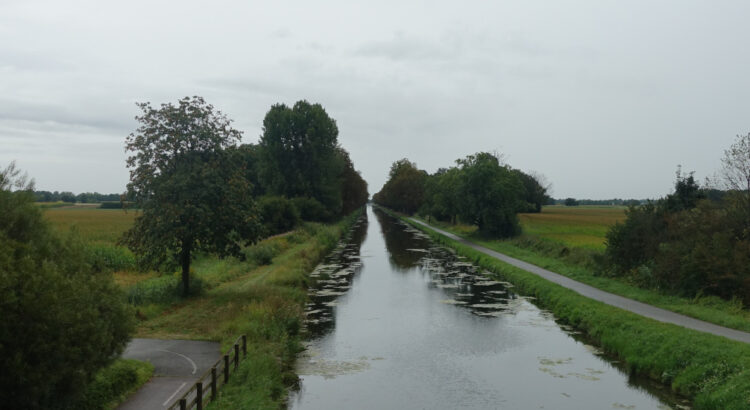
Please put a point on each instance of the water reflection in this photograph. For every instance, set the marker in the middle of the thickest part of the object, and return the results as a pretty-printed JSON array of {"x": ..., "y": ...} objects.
[
  {"x": 398, "y": 240},
  {"x": 333, "y": 277}
]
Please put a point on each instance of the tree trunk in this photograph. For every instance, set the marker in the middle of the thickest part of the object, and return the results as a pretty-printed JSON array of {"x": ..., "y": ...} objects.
[{"x": 185, "y": 262}]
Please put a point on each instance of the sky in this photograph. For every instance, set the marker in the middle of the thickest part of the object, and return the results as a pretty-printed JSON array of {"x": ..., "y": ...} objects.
[{"x": 604, "y": 98}]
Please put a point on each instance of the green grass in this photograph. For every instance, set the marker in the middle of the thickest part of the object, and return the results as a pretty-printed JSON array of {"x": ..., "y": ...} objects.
[
  {"x": 712, "y": 371},
  {"x": 262, "y": 297}
]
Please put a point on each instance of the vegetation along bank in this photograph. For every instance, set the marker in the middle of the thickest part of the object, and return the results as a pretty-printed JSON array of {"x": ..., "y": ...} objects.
[{"x": 712, "y": 371}]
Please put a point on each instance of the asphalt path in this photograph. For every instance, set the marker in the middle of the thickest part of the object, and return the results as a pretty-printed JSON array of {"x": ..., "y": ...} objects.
[
  {"x": 631, "y": 305},
  {"x": 177, "y": 365}
]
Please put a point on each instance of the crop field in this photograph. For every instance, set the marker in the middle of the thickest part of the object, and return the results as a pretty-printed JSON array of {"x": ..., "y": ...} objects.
[
  {"x": 580, "y": 226},
  {"x": 96, "y": 225}
]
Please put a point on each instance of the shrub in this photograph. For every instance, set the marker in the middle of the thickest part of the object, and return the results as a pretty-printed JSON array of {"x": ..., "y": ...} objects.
[
  {"x": 278, "y": 214},
  {"x": 105, "y": 257},
  {"x": 311, "y": 209},
  {"x": 61, "y": 322},
  {"x": 112, "y": 384},
  {"x": 163, "y": 289},
  {"x": 262, "y": 253}
]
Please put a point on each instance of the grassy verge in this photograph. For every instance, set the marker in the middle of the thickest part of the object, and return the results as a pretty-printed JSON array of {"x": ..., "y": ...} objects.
[
  {"x": 113, "y": 384},
  {"x": 713, "y": 371},
  {"x": 577, "y": 263},
  {"x": 262, "y": 297}
]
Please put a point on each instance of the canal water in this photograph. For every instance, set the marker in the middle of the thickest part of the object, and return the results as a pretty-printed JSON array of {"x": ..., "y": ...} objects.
[{"x": 399, "y": 322}]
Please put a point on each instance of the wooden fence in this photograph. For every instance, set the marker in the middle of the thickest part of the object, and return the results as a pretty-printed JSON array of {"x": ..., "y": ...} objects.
[{"x": 205, "y": 389}]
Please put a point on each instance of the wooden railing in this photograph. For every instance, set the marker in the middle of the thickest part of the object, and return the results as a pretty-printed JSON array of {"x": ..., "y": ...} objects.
[{"x": 212, "y": 379}]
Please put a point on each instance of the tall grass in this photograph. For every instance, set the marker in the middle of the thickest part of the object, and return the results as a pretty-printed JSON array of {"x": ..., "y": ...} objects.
[{"x": 262, "y": 297}]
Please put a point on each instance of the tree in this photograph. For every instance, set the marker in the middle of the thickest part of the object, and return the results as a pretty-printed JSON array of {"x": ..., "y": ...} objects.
[
  {"x": 299, "y": 154},
  {"x": 489, "y": 195},
  {"x": 571, "y": 202},
  {"x": 404, "y": 190},
  {"x": 61, "y": 321},
  {"x": 736, "y": 164},
  {"x": 192, "y": 191},
  {"x": 535, "y": 193},
  {"x": 353, "y": 186}
]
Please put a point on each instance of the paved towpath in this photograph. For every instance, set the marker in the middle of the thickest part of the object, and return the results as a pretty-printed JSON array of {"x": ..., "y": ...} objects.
[
  {"x": 631, "y": 305},
  {"x": 177, "y": 365}
]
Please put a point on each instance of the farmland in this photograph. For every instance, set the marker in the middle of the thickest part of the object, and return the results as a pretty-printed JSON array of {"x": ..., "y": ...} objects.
[
  {"x": 576, "y": 227},
  {"x": 580, "y": 226},
  {"x": 95, "y": 225}
]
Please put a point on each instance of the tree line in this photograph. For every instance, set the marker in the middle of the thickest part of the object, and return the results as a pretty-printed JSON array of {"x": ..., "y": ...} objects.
[
  {"x": 480, "y": 190},
  {"x": 199, "y": 190},
  {"x": 694, "y": 241},
  {"x": 67, "y": 196}
]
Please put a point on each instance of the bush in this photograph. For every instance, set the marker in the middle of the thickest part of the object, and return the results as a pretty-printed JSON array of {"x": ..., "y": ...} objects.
[
  {"x": 112, "y": 384},
  {"x": 262, "y": 253},
  {"x": 571, "y": 202},
  {"x": 117, "y": 205},
  {"x": 278, "y": 214},
  {"x": 163, "y": 289},
  {"x": 311, "y": 210},
  {"x": 104, "y": 257},
  {"x": 61, "y": 322}
]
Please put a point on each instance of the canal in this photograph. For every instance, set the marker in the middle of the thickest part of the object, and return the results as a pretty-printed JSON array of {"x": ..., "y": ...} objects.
[{"x": 396, "y": 321}]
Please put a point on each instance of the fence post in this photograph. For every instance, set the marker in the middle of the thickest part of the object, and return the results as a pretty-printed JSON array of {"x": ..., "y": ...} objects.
[
  {"x": 199, "y": 395},
  {"x": 244, "y": 346},
  {"x": 236, "y": 355},
  {"x": 226, "y": 368},
  {"x": 213, "y": 383},
  {"x": 183, "y": 404}
]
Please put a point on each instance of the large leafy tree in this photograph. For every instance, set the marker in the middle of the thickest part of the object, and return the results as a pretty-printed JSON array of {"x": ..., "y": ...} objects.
[
  {"x": 299, "y": 154},
  {"x": 61, "y": 321},
  {"x": 489, "y": 194},
  {"x": 353, "y": 186},
  {"x": 404, "y": 190},
  {"x": 192, "y": 190}
]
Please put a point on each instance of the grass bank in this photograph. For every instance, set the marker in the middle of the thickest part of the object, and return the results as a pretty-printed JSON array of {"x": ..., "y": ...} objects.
[
  {"x": 712, "y": 371},
  {"x": 262, "y": 297},
  {"x": 578, "y": 262}
]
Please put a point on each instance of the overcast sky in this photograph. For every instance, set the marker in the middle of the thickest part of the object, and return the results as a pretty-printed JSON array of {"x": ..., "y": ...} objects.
[{"x": 605, "y": 98}]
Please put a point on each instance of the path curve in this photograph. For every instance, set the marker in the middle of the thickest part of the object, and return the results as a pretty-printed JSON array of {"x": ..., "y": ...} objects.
[
  {"x": 177, "y": 365},
  {"x": 630, "y": 305}
]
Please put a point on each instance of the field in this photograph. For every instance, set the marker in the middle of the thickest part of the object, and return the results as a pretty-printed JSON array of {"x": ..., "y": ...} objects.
[
  {"x": 582, "y": 227},
  {"x": 579, "y": 226},
  {"x": 96, "y": 225}
]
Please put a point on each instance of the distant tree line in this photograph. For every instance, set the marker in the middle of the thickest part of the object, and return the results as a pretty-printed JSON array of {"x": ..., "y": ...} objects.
[
  {"x": 614, "y": 201},
  {"x": 480, "y": 189},
  {"x": 66, "y": 196},
  {"x": 694, "y": 241}
]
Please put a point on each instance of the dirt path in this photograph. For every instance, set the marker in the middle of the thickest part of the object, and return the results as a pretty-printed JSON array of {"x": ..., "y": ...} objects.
[
  {"x": 630, "y": 305},
  {"x": 177, "y": 365}
]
